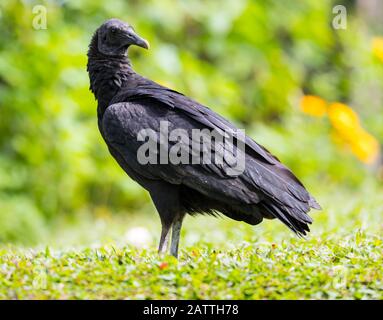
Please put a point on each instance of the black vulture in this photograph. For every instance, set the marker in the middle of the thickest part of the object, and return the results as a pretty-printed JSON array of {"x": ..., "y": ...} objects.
[{"x": 129, "y": 103}]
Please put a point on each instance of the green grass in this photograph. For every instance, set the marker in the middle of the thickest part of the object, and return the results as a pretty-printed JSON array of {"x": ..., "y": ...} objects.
[
  {"x": 342, "y": 258},
  {"x": 347, "y": 267}
]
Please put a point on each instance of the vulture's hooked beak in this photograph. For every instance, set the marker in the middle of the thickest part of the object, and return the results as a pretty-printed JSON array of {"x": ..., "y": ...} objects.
[{"x": 136, "y": 40}]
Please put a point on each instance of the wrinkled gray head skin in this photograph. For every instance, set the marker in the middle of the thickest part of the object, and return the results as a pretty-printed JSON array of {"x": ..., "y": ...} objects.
[{"x": 115, "y": 37}]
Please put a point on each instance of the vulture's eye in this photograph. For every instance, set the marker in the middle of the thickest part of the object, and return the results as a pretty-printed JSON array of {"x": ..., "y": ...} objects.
[{"x": 113, "y": 30}]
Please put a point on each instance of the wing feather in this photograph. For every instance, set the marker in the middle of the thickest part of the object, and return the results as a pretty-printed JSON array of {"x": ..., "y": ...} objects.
[{"x": 265, "y": 180}]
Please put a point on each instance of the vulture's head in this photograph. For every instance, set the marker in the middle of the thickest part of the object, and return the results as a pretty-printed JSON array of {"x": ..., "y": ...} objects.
[{"x": 115, "y": 37}]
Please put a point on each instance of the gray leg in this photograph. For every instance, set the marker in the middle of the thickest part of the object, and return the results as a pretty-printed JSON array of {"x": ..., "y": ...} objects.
[
  {"x": 176, "y": 231},
  {"x": 166, "y": 199},
  {"x": 163, "y": 246}
]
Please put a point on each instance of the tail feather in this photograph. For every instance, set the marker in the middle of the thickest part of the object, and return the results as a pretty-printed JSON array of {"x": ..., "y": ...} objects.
[
  {"x": 314, "y": 204},
  {"x": 297, "y": 223}
]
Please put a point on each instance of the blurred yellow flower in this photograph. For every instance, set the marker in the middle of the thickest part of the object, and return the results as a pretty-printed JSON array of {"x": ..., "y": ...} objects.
[
  {"x": 377, "y": 47},
  {"x": 313, "y": 105},
  {"x": 343, "y": 119},
  {"x": 349, "y": 131},
  {"x": 337, "y": 138},
  {"x": 365, "y": 147}
]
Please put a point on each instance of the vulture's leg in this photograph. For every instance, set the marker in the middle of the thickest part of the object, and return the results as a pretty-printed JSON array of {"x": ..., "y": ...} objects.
[
  {"x": 166, "y": 199},
  {"x": 165, "y": 233},
  {"x": 176, "y": 232}
]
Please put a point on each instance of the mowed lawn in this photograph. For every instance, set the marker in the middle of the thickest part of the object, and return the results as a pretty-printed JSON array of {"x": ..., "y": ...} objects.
[{"x": 220, "y": 259}]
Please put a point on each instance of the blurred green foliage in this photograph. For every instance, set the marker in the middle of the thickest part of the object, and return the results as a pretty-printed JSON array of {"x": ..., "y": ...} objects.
[{"x": 249, "y": 60}]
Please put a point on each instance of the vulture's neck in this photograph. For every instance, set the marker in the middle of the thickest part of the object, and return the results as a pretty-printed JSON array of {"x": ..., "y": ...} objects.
[{"x": 106, "y": 74}]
